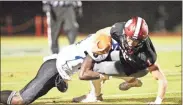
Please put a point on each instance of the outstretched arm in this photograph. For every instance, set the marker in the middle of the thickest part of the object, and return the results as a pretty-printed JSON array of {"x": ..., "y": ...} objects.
[
  {"x": 159, "y": 75},
  {"x": 86, "y": 72}
]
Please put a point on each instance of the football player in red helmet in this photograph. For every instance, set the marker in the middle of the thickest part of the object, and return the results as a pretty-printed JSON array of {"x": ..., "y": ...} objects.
[
  {"x": 97, "y": 57},
  {"x": 137, "y": 58}
]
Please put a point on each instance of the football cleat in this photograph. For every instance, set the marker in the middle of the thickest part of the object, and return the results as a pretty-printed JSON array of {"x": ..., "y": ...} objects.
[
  {"x": 127, "y": 85},
  {"x": 88, "y": 98}
]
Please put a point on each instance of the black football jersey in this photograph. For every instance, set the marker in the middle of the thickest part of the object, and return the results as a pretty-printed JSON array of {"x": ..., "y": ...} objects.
[{"x": 144, "y": 57}]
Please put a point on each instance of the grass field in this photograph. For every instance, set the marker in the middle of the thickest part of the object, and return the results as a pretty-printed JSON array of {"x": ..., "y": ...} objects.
[{"x": 21, "y": 57}]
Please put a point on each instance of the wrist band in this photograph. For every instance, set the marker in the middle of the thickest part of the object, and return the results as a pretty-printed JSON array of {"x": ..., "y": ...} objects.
[{"x": 158, "y": 100}]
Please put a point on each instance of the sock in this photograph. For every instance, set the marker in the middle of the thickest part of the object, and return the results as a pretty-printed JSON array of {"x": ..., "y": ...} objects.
[
  {"x": 96, "y": 86},
  {"x": 6, "y": 96}
]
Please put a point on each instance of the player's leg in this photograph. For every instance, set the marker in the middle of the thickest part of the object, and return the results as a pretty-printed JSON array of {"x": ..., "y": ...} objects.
[
  {"x": 70, "y": 25},
  {"x": 112, "y": 68},
  {"x": 94, "y": 95},
  {"x": 133, "y": 80},
  {"x": 6, "y": 96},
  {"x": 54, "y": 26},
  {"x": 116, "y": 69},
  {"x": 119, "y": 68},
  {"x": 39, "y": 86}
]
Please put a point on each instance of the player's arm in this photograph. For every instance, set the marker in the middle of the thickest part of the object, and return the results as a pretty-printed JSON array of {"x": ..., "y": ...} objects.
[
  {"x": 162, "y": 82},
  {"x": 101, "y": 45},
  {"x": 86, "y": 72}
]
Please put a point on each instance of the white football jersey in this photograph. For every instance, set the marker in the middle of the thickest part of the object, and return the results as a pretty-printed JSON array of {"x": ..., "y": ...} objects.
[{"x": 70, "y": 57}]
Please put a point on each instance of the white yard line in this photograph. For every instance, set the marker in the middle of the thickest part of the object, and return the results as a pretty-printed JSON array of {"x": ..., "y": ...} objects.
[
  {"x": 125, "y": 95},
  {"x": 139, "y": 94}
]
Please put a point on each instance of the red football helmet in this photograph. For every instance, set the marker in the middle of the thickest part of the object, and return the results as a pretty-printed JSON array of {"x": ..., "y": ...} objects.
[{"x": 136, "y": 28}]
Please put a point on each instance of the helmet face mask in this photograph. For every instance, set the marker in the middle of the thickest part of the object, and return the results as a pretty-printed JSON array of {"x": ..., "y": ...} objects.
[
  {"x": 132, "y": 45},
  {"x": 135, "y": 33}
]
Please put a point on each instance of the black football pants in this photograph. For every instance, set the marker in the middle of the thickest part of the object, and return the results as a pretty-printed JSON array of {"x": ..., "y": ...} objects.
[
  {"x": 114, "y": 67},
  {"x": 42, "y": 83}
]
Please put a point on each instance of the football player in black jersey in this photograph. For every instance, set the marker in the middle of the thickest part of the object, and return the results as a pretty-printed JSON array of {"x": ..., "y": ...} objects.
[{"x": 136, "y": 57}]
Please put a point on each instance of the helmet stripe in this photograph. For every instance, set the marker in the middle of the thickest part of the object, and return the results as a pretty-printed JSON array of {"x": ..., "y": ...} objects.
[{"x": 137, "y": 29}]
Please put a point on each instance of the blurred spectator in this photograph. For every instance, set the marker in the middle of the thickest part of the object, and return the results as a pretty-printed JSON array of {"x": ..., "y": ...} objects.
[
  {"x": 161, "y": 16},
  {"x": 62, "y": 13}
]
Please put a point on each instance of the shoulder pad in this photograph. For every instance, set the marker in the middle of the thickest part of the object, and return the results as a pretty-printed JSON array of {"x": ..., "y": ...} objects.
[{"x": 117, "y": 28}]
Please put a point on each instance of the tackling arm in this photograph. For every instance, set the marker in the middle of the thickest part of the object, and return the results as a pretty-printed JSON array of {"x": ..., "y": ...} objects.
[
  {"x": 159, "y": 75},
  {"x": 86, "y": 72}
]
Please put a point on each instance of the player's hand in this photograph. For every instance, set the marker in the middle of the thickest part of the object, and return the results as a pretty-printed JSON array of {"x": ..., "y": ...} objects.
[
  {"x": 152, "y": 103},
  {"x": 102, "y": 76}
]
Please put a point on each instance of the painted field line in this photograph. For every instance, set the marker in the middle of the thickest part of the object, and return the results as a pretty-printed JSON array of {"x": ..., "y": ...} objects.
[
  {"x": 172, "y": 73},
  {"x": 139, "y": 94},
  {"x": 123, "y": 95}
]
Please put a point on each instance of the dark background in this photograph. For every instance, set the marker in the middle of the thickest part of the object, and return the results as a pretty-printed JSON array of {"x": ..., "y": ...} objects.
[{"x": 97, "y": 14}]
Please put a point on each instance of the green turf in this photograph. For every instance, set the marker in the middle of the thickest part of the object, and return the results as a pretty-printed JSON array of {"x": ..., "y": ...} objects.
[{"x": 21, "y": 57}]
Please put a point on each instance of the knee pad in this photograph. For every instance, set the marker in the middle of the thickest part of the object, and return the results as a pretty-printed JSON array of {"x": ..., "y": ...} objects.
[{"x": 61, "y": 85}]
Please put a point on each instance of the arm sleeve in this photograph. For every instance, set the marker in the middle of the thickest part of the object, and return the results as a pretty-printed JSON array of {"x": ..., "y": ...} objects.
[
  {"x": 151, "y": 52},
  {"x": 117, "y": 33}
]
